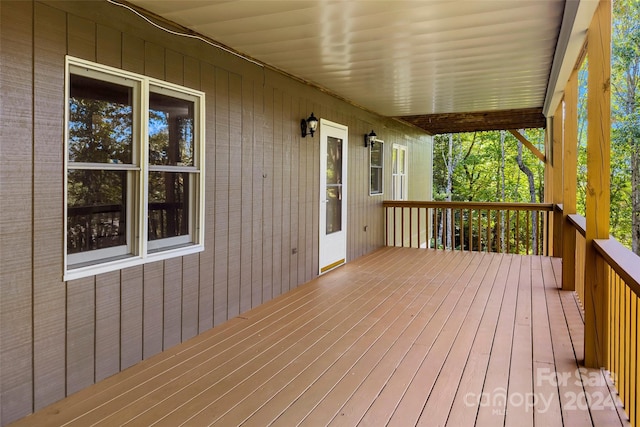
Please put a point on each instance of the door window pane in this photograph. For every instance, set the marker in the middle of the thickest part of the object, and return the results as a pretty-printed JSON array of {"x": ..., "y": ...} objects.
[
  {"x": 334, "y": 185},
  {"x": 96, "y": 210},
  {"x": 334, "y": 209},
  {"x": 100, "y": 121},
  {"x": 334, "y": 161},
  {"x": 168, "y": 204},
  {"x": 171, "y": 127}
]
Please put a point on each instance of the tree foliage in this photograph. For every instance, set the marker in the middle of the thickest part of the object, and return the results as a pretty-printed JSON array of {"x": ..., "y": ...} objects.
[
  {"x": 475, "y": 168},
  {"x": 477, "y": 174}
]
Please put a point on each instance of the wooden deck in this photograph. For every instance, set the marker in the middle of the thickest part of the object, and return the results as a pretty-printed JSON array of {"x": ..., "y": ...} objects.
[{"x": 399, "y": 337}]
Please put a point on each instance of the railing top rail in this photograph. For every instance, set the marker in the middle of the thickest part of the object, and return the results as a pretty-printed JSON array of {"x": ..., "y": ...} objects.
[
  {"x": 469, "y": 205},
  {"x": 624, "y": 262},
  {"x": 579, "y": 222}
]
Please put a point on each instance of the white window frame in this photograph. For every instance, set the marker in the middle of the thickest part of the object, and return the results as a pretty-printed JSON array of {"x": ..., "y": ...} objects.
[
  {"x": 381, "y": 167},
  {"x": 138, "y": 250},
  {"x": 399, "y": 179}
]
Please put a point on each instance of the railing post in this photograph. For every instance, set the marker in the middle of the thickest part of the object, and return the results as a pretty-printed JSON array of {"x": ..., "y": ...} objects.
[
  {"x": 557, "y": 196},
  {"x": 596, "y": 303},
  {"x": 570, "y": 182}
]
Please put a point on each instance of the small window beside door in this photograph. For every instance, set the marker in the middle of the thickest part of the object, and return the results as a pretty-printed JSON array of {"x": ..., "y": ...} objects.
[
  {"x": 399, "y": 173},
  {"x": 376, "y": 162}
]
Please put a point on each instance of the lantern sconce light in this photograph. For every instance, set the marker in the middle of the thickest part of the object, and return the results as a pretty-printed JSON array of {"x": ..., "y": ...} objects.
[
  {"x": 370, "y": 138},
  {"x": 311, "y": 124}
]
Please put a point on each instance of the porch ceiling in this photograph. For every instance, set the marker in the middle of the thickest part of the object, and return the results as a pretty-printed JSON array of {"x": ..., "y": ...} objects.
[{"x": 398, "y": 58}]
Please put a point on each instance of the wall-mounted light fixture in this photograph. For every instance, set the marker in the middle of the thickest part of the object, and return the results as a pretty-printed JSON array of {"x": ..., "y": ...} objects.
[
  {"x": 311, "y": 124},
  {"x": 370, "y": 139}
]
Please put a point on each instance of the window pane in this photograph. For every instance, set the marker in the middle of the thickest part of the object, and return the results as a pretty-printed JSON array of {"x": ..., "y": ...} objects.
[
  {"x": 334, "y": 161},
  {"x": 401, "y": 161},
  {"x": 171, "y": 127},
  {"x": 100, "y": 121},
  {"x": 376, "y": 180},
  {"x": 376, "y": 155},
  {"x": 334, "y": 185},
  {"x": 96, "y": 210},
  {"x": 168, "y": 204},
  {"x": 394, "y": 160},
  {"x": 334, "y": 209}
]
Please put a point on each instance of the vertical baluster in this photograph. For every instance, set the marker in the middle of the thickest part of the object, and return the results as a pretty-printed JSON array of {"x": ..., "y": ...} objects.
[
  {"x": 435, "y": 228},
  {"x": 615, "y": 338},
  {"x": 441, "y": 225},
  {"x": 620, "y": 333},
  {"x": 395, "y": 226},
  {"x": 386, "y": 226},
  {"x": 625, "y": 343},
  {"x": 527, "y": 229},
  {"x": 402, "y": 226},
  {"x": 410, "y": 227},
  {"x": 508, "y": 233},
  {"x": 488, "y": 245},
  {"x": 633, "y": 355},
  {"x": 628, "y": 348},
  {"x": 461, "y": 230},
  {"x": 546, "y": 231},
  {"x": 499, "y": 239},
  {"x": 450, "y": 221},
  {"x": 418, "y": 224},
  {"x": 479, "y": 230},
  {"x": 470, "y": 238},
  {"x": 620, "y": 310},
  {"x": 517, "y": 236},
  {"x": 612, "y": 324}
]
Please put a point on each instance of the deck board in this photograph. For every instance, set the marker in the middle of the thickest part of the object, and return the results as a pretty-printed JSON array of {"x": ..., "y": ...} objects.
[{"x": 397, "y": 337}]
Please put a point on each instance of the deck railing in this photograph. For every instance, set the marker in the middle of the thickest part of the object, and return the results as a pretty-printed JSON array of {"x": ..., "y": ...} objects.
[
  {"x": 520, "y": 228},
  {"x": 580, "y": 224},
  {"x": 623, "y": 273}
]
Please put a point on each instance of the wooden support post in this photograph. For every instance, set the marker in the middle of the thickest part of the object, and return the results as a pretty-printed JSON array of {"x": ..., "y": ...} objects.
[
  {"x": 597, "y": 200},
  {"x": 548, "y": 173},
  {"x": 557, "y": 179},
  {"x": 570, "y": 171}
]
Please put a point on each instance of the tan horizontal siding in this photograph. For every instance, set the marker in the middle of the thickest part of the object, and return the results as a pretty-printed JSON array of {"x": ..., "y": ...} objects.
[{"x": 261, "y": 210}]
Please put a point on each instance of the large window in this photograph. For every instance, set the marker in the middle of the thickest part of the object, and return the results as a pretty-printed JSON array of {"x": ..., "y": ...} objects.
[
  {"x": 134, "y": 178},
  {"x": 376, "y": 161},
  {"x": 399, "y": 173}
]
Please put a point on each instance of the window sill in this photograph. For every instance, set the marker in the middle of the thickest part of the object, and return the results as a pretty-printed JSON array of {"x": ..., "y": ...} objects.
[{"x": 132, "y": 261}]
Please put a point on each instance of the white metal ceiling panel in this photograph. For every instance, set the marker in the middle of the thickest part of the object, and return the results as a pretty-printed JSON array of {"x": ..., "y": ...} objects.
[{"x": 393, "y": 57}]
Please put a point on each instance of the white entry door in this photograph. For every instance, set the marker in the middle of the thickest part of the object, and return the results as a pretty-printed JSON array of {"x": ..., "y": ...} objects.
[{"x": 333, "y": 195}]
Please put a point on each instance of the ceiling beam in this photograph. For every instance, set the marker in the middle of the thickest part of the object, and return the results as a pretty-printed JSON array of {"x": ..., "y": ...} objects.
[{"x": 527, "y": 118}]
